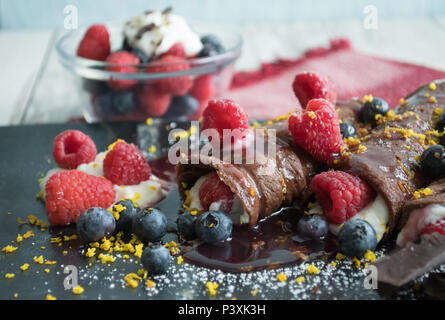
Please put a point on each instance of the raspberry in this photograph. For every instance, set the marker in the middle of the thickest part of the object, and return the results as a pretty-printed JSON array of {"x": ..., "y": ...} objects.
[
  {"x": 204, "y": 88},
  {"x": 224, "y": 114},
  {"x": 69, "y": 193},
  {"x": 154, "y": 102},
  {"x": 72, "y": 148},
  {"x": 95, "y": 44},
  {"x": 438, "y": 226},
  {"x": 312, "y": 85},
  {"x": 176, "y": 50},
  {"x": 215, "y": 190},
  {"x": 125, "y": 164},
  {"x": 122, "y": 61},
  {"x": 317, "y": 130},
  {"x": 341, "y": 195},
  {"x": 174, "y": 85}
]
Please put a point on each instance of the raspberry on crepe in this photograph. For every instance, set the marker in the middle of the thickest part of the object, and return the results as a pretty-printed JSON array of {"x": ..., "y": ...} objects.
[
  {"x": 312, "y": 85},
  {"x": 317, "y": 129},
  {"x": 341, "y": 195},
  {"x": 225, "y": 114},
  {"x": 214, "y": 190}
]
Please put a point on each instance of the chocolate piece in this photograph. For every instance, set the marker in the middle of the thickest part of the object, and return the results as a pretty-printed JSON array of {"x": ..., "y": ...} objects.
[
  {"x": 262, "y": 187},
  {"x": 435, "y": 286},
  {"x": 415, "y": 259},
  {"x": 389, "y": 164}
]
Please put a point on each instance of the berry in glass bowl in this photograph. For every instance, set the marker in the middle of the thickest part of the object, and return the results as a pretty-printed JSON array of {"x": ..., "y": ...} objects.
[{"x": 152, "y": 65}]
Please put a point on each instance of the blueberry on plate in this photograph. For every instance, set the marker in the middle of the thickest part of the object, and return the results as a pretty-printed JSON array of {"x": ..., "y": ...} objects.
[
  {"x": 312, "y": 226},
  {"x": 126, "y": 216},
  {"x": 186, "y": 225},
  {"x": 433, "y": 162},
  {"x": 347, "y": 130},
  {"x": 356, "y": 237},
  {"x": 211, "y": 46},
  {"x": 156, "y": 259},
  {"x": 94, "y": 224},
  {"x": 371, "y": 109},
  {"x": 150, "y": 225},
  {"x": 213, "y": 226},
  {"x": 182, "y": 107}
]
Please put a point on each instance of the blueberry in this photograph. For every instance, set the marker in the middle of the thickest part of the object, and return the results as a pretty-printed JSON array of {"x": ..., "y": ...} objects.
[
  {"x": 143, "y": 58},
  {"x": 211, "y": 46},
  {"x": 312, "y": 226},
  {"x": 433, "y": 162},
  {"x": 213, "y": 226},
  {"x": 111, "y": 103},
  {"x": 372, "y": 108},
  {"x": 150, "y": 225},
  {"x": 186, "y": 225},
  {"x": 347, "y": 130},
  {"x": 156, "y": 259},
  {"x": 123, "y": 102},
  {"x": 94, "y": 224},
  {"x": 126, "y": 216},
  {"x": 182, "y": 107},
  {"x": 440, "y": 125},
  {"x": 356, "y": 237}
]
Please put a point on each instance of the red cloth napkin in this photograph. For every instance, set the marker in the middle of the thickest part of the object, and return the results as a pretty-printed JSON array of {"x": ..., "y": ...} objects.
[{"x": 267, "y": 93}]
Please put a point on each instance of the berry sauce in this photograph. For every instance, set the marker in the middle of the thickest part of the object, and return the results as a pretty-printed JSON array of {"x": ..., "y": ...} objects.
[{"x": 271, "y": 244}]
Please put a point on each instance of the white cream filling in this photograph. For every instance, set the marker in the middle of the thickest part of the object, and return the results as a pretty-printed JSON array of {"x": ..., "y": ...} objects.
[
  {"x": 169, "y": 29},
  {"x": 376, "y": 213},
  {"x": 419, "y": 219},
  {"x": 150, "y": 191},
  {"x": 236, "y": 214}
]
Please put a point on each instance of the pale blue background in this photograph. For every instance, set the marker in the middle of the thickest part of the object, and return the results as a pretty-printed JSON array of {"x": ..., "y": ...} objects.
[{"x": 17, "y": 14}]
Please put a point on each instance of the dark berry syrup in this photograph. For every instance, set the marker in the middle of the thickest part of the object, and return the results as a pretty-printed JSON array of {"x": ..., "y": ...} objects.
[{"x": 271, "y": 244}]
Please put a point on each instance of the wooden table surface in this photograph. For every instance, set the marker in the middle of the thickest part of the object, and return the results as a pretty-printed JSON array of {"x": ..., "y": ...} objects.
[{"x": 32, "y": 80}]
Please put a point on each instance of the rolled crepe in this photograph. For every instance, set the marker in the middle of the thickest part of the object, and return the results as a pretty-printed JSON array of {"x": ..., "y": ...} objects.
[
  {"x": 288, "y": 174},
  {"x": 263, "y": 187},
  {"x": 435, "y": 195},
  {"x": 390, "y": 161}
]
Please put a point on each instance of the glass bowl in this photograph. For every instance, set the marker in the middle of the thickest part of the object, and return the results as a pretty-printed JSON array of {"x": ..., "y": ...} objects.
[{"x": 139, "y": 98}]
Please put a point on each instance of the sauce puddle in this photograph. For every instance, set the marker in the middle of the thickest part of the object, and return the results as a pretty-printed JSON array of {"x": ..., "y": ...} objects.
[{"x": 271, "y": 244}]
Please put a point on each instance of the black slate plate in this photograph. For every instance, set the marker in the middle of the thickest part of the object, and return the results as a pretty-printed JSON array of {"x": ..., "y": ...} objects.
[{"x": 26, "y": 155}]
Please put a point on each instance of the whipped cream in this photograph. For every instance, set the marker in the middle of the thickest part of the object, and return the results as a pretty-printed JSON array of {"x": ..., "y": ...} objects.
[
  {"x": 376, "y": 213},
  {"x": 236, "y": 214},
  {"x": 149, "y": 191},
  {"x": 419, "y": 219},
  {"x": 155, "y": 32}
]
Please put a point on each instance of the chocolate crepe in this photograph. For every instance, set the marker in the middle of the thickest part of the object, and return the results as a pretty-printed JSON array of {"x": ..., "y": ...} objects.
[
  {"x": 436, "y": 197},
  {"x": 261, "y": 187},
  {"x": 389, "y": 162}
]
